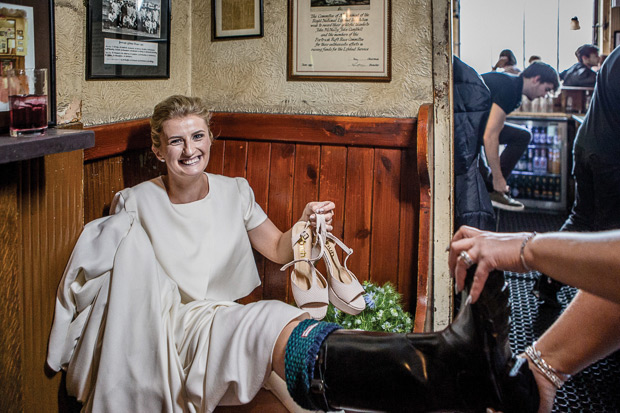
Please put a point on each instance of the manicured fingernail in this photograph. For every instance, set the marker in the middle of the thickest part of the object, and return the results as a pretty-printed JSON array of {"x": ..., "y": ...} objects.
[{"x": 469, "y": 299}]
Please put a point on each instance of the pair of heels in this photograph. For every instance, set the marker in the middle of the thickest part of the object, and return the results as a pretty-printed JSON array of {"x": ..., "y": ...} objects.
[{"x": 311, "y": 291}]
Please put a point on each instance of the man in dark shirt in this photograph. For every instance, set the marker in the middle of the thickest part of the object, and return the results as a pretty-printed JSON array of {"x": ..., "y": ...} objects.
[
  {"x": 535, "y": 81},
  {"x": 596, "y": 166},
  {"x": 581, "y": 73}
]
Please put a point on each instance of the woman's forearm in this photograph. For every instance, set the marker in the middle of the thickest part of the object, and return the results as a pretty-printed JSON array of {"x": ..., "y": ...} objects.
[
  {"x": 588, "y": 330},
  {"x": 587, "y": 261}
]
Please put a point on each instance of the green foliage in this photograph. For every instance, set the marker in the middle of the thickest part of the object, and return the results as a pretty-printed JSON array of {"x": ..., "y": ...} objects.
[{"x": 383, "y": 312}]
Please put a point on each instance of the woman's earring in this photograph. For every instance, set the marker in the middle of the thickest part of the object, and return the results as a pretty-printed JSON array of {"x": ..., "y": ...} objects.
[{"x": 162, "y": 160}]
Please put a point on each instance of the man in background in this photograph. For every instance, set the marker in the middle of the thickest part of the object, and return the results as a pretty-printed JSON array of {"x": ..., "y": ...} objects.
[
  {"x": 535, "y": 81},
  {"x": 581, "y": 73}
]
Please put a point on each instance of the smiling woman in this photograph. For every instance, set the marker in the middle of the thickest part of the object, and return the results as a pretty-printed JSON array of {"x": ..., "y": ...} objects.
[
  {"x": 185, "y": 149},
  {"x": 180, "y": 247},
  {"x": 182, "y": 139}
]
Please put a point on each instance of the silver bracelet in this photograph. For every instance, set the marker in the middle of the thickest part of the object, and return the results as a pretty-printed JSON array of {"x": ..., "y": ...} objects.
[
  {"x": 552, "y": 374},
  {"x": 523, "y": 244}
]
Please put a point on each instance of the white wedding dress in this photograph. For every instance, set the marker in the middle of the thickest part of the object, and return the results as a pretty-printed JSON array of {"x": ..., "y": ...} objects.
[{"x": 145, "y": 316}]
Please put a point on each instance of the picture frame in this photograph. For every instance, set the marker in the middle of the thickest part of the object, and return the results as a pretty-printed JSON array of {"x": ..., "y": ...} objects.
[
  {"x": 35, "y": 49},
  {"x": 236, "y": 19},
  {"x": 616, "y": 38},
  {"x": 339, "y": 40},
  {"x": 128, "y": 39}
]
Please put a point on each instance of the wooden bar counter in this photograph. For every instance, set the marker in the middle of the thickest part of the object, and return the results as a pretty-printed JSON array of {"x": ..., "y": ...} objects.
[{"x": 41, "y": 216}]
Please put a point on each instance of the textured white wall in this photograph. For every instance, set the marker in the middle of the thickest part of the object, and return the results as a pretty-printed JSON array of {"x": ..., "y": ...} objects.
[
  {"x": 241, "y": 75},
  {"x": 250, "y": 75},
  {"x": 105, "y": 101}
]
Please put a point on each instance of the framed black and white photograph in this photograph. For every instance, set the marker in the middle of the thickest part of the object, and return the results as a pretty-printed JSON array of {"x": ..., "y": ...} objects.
[
  {"x": 27, "y": 42},
  {"x": 128, "y": 39},
  {"x": 233, "y": 19},
  {"x": 339, "y": 40}
]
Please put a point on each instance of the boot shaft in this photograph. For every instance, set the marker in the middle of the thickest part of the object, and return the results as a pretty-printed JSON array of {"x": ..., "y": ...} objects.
[
  {"x": 405, "y": 372},
  {"x": 468, "y": 366}
]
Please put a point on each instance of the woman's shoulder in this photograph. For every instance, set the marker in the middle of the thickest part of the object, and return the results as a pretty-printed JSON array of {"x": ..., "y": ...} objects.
[
  {"x": 233, "y": 183},
  {"x": 146, "y": 186},
  {"x": 131, "y": 195}
]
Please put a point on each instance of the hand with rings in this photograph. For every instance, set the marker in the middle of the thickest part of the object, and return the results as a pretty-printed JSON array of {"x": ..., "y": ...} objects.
[{"x": 489, "y": 250}]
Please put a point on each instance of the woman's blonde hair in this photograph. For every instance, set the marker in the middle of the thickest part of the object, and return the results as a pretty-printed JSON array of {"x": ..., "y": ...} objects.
[{"x": 177, "y": 106}]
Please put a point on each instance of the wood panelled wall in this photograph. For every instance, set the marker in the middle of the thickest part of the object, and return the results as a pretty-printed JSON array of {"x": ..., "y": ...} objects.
[
  {"x": 41, "y": 217},
  {"x": 367, "y": 166},
  {"x": 375, "y": 169}
]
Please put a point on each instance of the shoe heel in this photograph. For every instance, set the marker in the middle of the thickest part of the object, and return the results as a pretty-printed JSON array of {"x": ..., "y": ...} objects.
[{"x": 308, "y": 285}]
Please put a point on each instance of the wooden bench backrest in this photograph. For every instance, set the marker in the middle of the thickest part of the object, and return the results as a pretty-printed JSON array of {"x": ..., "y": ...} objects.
[{"x": 374, "y": 169}]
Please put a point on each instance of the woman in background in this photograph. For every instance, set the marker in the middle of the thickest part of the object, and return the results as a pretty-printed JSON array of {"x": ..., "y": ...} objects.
[{"x": 507, "y": 63}]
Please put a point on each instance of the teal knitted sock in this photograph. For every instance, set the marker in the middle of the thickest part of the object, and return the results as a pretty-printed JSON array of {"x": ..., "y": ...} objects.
[{"x": 302, "y": 349}]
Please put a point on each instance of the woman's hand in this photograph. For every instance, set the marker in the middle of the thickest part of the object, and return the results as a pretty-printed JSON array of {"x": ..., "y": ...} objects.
[
  {"x": 490, "y": 250},
  {"x": 501, "y": 62},
  {"x": 322, "y": 207}
]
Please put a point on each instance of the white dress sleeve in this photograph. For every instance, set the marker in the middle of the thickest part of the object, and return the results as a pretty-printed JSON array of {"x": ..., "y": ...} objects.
[{"x": 253, "y": 214}]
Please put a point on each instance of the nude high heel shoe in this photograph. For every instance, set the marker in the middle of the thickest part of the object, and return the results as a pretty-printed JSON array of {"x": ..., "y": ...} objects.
[
  {"x": 308, "y": 284},
  {"x": 345, "y": 291}
]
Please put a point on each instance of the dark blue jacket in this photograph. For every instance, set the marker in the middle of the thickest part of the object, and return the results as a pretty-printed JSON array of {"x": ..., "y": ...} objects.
[
  {"x": 472, "y": 103},
  {"x": 578, "y": 75}
]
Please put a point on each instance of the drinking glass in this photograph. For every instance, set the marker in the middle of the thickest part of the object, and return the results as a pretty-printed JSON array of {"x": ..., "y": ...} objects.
[{"x": 28, "y": 89}]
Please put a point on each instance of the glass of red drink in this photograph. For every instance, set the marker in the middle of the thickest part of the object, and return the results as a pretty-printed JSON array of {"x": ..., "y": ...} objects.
[{"x": 28, "y": 101}]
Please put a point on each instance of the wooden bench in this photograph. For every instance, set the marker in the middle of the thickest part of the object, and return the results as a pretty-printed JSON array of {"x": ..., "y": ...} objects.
[{"x": 374, "y": 169}]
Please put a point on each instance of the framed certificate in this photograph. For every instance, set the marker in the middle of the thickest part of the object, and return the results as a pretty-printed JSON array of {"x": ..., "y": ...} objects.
[
  {"x": 340, "y": 40},
  {"x": 233, "y": 19}
]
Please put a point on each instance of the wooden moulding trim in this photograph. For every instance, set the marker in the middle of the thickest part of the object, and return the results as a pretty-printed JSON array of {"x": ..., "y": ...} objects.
[
  {"x": 315, "y": 129},
  {"x": 424, "y": 130},
  {"x": 115, "y": 138}
]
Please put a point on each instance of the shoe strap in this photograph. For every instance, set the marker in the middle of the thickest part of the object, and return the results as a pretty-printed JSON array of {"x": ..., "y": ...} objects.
[
  {"x": 323, "y": 234},
  {"x": 310, "y": 261},
  {"x": 303, "y": 236},
  {"x": 320, "y": 234},
  {"x": 342, "y": 245}
]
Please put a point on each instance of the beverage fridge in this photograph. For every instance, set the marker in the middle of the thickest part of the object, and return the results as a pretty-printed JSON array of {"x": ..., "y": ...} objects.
[{"x": 540, "y": 178}]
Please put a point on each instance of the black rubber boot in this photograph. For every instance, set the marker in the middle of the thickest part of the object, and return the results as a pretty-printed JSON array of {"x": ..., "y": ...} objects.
[{"x": 466, "y": 367}]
